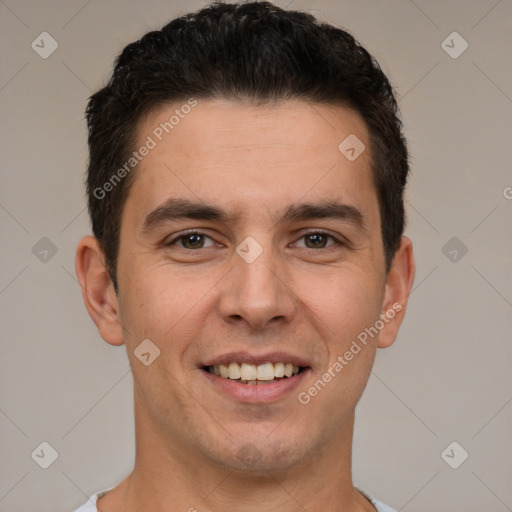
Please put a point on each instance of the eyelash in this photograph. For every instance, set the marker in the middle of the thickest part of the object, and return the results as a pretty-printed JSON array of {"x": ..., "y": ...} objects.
[{"x": 315, "y": 232}]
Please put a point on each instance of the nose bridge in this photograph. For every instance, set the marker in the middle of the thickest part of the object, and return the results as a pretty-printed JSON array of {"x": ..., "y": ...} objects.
[{"x": 256, "y": 290}]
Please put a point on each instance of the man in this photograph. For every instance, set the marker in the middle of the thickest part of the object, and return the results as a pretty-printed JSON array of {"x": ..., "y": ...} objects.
[{"x": 245, "y": 187}]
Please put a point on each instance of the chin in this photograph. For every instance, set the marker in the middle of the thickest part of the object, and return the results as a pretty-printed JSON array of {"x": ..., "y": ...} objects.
[{"x": 259, "y": 457}]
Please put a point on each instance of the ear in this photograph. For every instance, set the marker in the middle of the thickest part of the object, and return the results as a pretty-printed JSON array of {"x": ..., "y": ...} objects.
[
  {"x": 98, "y": 291},
  {"x": 398, "y": 287}
]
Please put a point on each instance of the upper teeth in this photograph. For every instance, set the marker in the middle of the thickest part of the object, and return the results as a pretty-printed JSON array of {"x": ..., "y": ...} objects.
[{"x": 249, "y": 372}]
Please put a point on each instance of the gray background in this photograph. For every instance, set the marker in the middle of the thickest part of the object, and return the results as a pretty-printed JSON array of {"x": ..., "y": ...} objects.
[{"x": 447, "y": 378}]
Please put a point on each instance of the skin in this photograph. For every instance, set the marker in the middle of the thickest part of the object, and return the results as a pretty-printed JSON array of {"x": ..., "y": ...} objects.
[{"x": 198, "y": 303}]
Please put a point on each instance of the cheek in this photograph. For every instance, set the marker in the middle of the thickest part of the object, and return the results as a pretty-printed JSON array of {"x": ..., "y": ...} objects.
[
  {"x": 156, "y": 303},
  {"x": 344, "y": 302},
  {"x": 343, "y": 307}
]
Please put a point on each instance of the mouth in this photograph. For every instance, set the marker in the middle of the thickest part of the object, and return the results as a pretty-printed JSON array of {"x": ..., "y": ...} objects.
[
  {"x": 255, "y": 374},
  {"x": 250, "y": 379}
]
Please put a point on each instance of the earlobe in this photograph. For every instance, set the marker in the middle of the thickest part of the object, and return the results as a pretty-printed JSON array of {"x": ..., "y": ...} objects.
[
  {"x": 97, "y": 290},
  {"x": 398, "y": 287}
]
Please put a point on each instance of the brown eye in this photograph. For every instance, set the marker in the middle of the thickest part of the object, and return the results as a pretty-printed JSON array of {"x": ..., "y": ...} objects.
[
  {"x": 191, "y": 240},
  {"x": 319, "y": 240},
  {"x": 316, "y": 239}
]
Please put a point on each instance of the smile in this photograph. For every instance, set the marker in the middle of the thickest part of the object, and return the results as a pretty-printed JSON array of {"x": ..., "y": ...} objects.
[
  {"x": 252, "y": 378},
  {"x": 247, "y": 373}
]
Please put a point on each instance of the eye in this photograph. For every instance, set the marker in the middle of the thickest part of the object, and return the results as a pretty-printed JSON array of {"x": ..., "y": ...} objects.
[
  {"x": 318, "y": 240},
  {"x": 190, "y": 240}
]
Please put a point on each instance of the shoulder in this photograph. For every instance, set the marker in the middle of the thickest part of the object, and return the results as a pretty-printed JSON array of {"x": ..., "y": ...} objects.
[
  {"x": 381, "y": 507},
  {"x": 90, "y": 505}
]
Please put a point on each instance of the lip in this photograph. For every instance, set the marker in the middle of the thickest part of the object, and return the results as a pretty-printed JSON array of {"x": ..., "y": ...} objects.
[
  {"x": 256, "y": 393},
  {"x": 251, "y": 358}
]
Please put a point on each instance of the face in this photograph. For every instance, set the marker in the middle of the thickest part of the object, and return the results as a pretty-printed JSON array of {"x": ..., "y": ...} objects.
[{"x": 221, "y": 263}]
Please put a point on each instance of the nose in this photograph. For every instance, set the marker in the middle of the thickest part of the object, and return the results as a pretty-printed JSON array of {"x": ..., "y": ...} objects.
[{"x": 257, "y": 292}]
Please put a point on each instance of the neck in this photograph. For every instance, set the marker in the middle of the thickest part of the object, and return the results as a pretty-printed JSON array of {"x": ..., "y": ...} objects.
[{"x": 169, "y": 475}]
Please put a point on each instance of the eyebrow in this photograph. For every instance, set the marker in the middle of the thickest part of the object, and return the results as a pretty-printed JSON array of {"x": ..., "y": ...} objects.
[{"x": 176, "y": 209}]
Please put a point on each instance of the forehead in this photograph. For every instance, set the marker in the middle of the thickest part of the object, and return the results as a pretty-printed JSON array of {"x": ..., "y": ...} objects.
[{"x": 249, "y": 157}]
